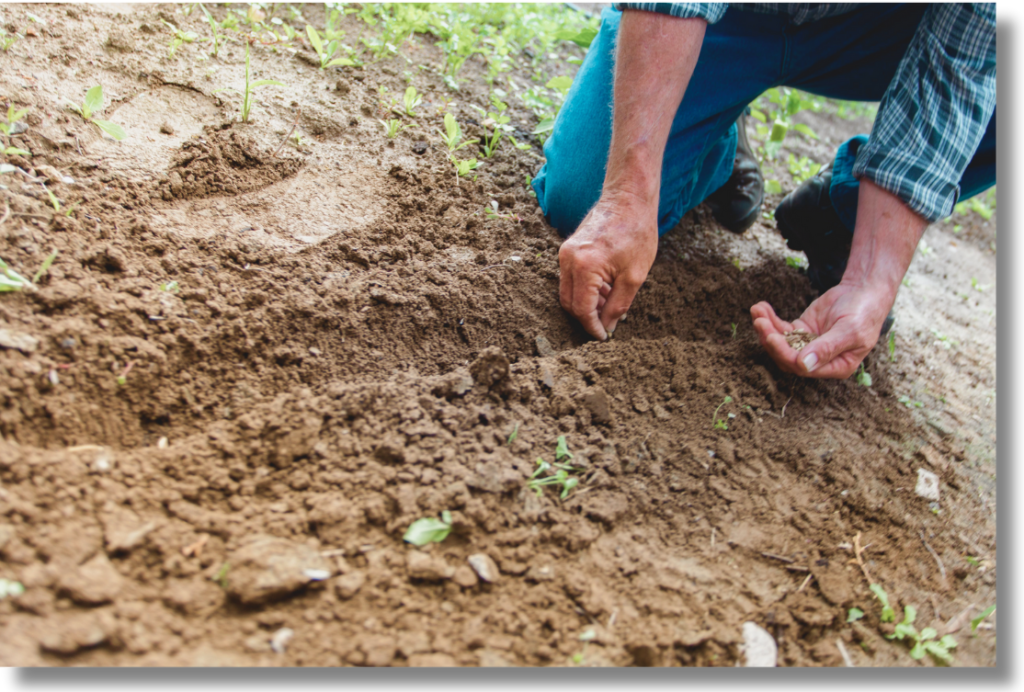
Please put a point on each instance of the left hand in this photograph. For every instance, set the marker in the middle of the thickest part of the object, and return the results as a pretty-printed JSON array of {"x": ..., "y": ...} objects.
[{"x": 848, "y": 319}]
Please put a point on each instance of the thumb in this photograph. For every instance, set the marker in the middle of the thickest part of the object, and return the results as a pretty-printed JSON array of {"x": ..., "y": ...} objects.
[
  {"x": 619, "y": 300},
  {"x": 819, "y": 353}
]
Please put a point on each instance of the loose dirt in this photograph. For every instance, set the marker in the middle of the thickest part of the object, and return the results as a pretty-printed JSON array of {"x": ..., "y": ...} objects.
[{"x": 355, "y": 345}]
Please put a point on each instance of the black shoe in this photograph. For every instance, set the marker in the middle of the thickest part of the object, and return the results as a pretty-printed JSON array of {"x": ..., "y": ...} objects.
[
  {"x": 810, "y": 224},
  {"x": 737, "y": 204}
]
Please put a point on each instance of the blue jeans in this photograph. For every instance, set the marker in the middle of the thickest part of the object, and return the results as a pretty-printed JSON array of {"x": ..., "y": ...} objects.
[{"x": 851, "y": 57}]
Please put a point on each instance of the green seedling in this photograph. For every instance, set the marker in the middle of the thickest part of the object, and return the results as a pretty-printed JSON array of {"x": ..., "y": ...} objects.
[
  {"x": 180, "y": 37},
  {"x": 925, "y": 248},
  {"x": 732, "y": 326},
  {"x": 221, "y": 577},
  {"x": 10, "y": 588},
  {"x": 924, "y": 642},
  {"x": 561, "y": 476},
  {"x": 973, "y": 561},
  {"x": 499, "y": 121},
  {"x": 515, "y": 433},
  {"x": 217, "y": 38},
  {"x": 429, "y": 530},
  {"x": 788, "y": 102},
  {"x": 863, "y": 377},
  {"x": 888, "y": 614},
  {"x": 802, "y": 169},
  {"x": 980, "y": 288},
  {"x": 910, "y": 403},
  {"x": 11, "y": 280},
  {"x": 452, "y": 136},
  {"x": 984, "y": 614},
  {"x": 410, "y": 101},
  {"x": 562, "y": 449},
  {"x": 491, "y": 212},
  {"x": 736, "y": 263},
  {"x": 719, "y": 423},
  {"x": 170, "y": 287},
  {"x": 298, "y": 141},
  {"x": 854, "y": 615},
  {"x": 250, "y": 88},
  {"x": 586, "y": 637},
  {"x": 122, "y": 379},
  {"x": 892, "y": 347},
  {"x": 8, "y": 128},
  {"x": 326, "y": 53},
  {"x": 772, "y": 187},
  {"x": 92, "y": 105},
  {"x": 463, "y": 166},
  {"x": 522, "y": 146},
  {"x": 796, "y": 262},
  {"x": 392, "y": 127},
  {"x": 44, "y": 267},
  {"x": 8, "y": 40}
]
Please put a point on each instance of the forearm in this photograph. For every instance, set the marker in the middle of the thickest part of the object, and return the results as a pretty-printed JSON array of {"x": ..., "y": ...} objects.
[
  {"x": 655, "y": 58},
  {"x": 884, "y": 241}
]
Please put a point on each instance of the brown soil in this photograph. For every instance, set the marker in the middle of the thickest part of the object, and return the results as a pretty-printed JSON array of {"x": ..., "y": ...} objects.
[{"x": 351, "y": 348}]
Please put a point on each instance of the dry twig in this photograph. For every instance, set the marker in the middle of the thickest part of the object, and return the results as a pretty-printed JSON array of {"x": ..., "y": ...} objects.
[
  {"x": 857, "y": 550},
  {"x": 938, "y": 560},
  {"x": 285, "y": 140}
]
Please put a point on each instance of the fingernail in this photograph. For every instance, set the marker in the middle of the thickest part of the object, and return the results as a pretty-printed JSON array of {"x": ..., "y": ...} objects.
[{"x": 811, "y": 362}]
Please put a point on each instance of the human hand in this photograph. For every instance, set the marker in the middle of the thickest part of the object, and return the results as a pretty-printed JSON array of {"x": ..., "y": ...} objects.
[
  {"x": 848, "y": 319},
  {"x": 604, "y": 263}
]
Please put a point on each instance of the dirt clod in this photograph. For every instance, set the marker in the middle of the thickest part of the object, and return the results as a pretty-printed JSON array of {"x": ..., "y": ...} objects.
[{"x": 266, "y": 568}]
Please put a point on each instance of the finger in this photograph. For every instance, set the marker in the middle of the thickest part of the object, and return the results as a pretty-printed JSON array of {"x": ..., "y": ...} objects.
[
  {"x": 764, "y": 309},
  {"x": 623, "y": 292},
  {"x": 565, "y": 283},
  {"x": 784, "y": 355},
  {"x": 585, "y": 295},
  {"x": 606, "y": 289},
  {"x": 816, "y": 357},
  {"x": 601, "y": 300}
]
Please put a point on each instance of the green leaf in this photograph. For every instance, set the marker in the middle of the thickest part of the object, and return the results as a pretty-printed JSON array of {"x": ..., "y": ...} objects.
[
  {"x": 545, "y": 125},
  {"x": 947, "y": 642},
  {"x": 514, "y": 435},
  {"x": 427, "y": 530},
  {"x": 93, "y": 101},
  {"x": 562, "y": 448},
  {"x": 909, "y": 615},
  {"x": 451, "y": 126},
  {"x": 562, "y": 84},
  {"x": 344, "y": 62},
  {"x": 758, "y": 115},
  {"x": 112, "y": 129},
  {"x": 265, "y": 82},
  {"x": 854, "y": 615},
  {"x": 585, "y": 37},
  {"x": 984, "y": 614},
  {"x": 15, "y": 151},
  {"x": 917, "y": 653},
  {"x": 44, "y": 268},
  {"x": 804, "y": 130},
  {"x": 13, "y": 115},
  {"x": 929, "y": 633},
  {"x": 779, "y": 130},
  {"x": 939, "y": 651},
  {"x": 772, "y": 187},
  {"x": 314, "y": 39}
]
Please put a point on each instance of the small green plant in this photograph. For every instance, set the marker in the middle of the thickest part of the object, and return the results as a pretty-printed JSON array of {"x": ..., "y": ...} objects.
[
  {"x": 719, "y": 423},
  {"x": 863, "y": 377},
  {"x": 92, "y": 105},
  {"x": 892, "y": 346},
  {"x": 170, "y": 287},
  {"x": 982, "y": 205},
  {"x": 8, "y": 128},
  {"x": 515, "y": 433},
  {"x": 221, "y": 577},
  {"x": 732, "y": 326},
  {"x": 984, "y": 614},
  {"x": 452, "y": 135},
  {"x": 11, "y": 280},
  {"x": 491, "y": 212},
  {"x": 217, "y": 38},
  {"x": 44, "y": 267},
  {"x": 787, "y": 103},
  {"x": 250, "y": 88},
  {"x": 463, "y": 167},
  {"x": 802, "y": 169},
  {"x": 10, "y": 588},
  {"x": 586, "y": 637},
  {"x": 796, "y": 262},
  {"x": 429, "y": 530},
  {"x": 7, "y": 40},
  {"x": 180, "y": 37},
  {"x": 736, "y": 263},
  {"x": 326, "y": 53},
  {"x": 410, "y": 101},
  {"x": 980, "y": 288},
  {"x": 854, "y": 614},
  {"x": 910, "y": 403},
  {"x": 499, "y": 121},
  {"x": 562, "y": 475},
  {"x": 392, "y": 127},
  {"x": 924, "y": 642},
  {"x": 888, "y": 614}
]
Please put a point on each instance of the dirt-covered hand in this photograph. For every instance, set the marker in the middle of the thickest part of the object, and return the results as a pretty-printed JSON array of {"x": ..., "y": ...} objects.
[
  {"x": 848, "y": 320},
  {"x": 604, "y": 263}
]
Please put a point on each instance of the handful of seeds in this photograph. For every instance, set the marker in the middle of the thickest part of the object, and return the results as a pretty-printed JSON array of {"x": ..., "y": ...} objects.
[{"x": 798, "y": 338}]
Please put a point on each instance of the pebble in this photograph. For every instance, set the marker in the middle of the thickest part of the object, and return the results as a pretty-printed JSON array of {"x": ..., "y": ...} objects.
[
  {"x": 26, "y": 343},
  {"x": 279, "y": 640},
  {"x": 759, "y": 647},
  {"x": 544, "y": 347},
  {"x": 348, "y": 585},
  {"x": 267, "y": 568},
  {"x": 485, "y": 567},
  {"x": 465, "y": 577},
  {"x": 423, "y": 566},
  {"x": 927, "y": 485}
]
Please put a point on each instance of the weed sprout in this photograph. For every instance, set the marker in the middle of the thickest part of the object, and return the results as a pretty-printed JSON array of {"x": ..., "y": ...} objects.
[{"x": 94, "y": 104}]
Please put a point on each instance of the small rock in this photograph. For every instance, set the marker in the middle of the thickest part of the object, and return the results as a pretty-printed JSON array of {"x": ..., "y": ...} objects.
[
  {"x": 348, "y": 585},
  {"x": 166, "y": 129},
  {"x": 595, "y": 400},
  {"x": 540, "y": 573},
  {"x": 266, "y": 568},
  {"x": 485, "y": 567},
  {"x": 546, "y": 378},
  {"x": 641, "y": 404},
  {"x": 25, "y": 343},
  {"x": 927, "y": 485},
  {"x": 759, "y": 647},
  {"x": 419, "y": 148},
  {"x": 465, "y": 577},
  {"x": 544, "y": 347},
  {"x": 279, "y": 640},
  {"x": 94, "y": 583},
  {"x": 423, "y": 566},
  {"x": 124, "y": 531},
  {"x": 490, "y": 368}
]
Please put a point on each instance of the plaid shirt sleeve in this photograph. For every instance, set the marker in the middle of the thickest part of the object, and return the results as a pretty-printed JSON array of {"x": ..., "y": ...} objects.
[
  {"x": 936, "y": 109},
  {"x": 711, "y": 12}
]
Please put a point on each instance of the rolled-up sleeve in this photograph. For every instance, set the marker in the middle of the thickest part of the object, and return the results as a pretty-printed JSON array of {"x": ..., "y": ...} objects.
[
  {"x": 936, "y": 109},
  {"x": 711, "y": 12}
]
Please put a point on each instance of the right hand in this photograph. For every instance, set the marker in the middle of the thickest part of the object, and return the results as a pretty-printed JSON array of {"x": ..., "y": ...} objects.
[{"x": 604, "y": 263}]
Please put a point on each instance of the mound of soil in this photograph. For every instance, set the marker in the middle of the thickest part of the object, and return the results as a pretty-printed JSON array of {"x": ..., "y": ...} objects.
[{"x": 221, "y": 472}]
